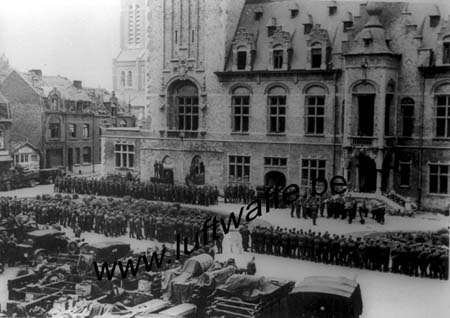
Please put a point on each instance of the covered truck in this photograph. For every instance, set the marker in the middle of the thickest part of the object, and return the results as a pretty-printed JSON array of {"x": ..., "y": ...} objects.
[{"x": 325, "y": 297}]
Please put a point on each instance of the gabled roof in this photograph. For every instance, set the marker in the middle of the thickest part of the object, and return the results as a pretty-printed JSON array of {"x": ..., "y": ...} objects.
[
  {"x": 317, "y": 13},
  {"x": 18, "y": 145}
]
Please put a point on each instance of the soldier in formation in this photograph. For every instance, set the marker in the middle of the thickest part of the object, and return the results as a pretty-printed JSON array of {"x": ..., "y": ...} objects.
[
  {"x": 239, "y": 194},
  {"x": 120, "y": 187},
  {"x": 380, "y": 254}
]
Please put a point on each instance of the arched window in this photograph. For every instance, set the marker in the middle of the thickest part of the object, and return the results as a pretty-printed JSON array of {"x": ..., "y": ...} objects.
[
  {"x": 315, "y": 110},
  {"x": 186, "y": 99},
  {"x": 130, "y": 78},
  {"x": 240, "y": 104},
  {"x": 277, "y": 109},
  {"x": 407, "y": 109},
  {"x": 316, "y": 55},
  {"x": 122, "y": 79},
  {"x": 442, "y": 103},
  {"x": 278, "y": 53}
]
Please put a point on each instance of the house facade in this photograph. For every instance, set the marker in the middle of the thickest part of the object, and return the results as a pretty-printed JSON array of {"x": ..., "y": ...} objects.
[
  {"x": 273, "y": 91},
  {"x": 62, "y": 119}
]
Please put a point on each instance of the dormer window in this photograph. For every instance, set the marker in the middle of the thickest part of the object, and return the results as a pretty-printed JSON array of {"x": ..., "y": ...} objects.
[
  {"x": 271, "y": 30},
  {"x": 332, "y": 10},
  {"x": 316, "y": 56},
  {"x": 446, "y": 53},
  {"x": 278, "y": 58},
  {"x": 293, "y": 8},
  {"x": 241, "y": 60},
  {"x": 367, "y": 42},
  {"x": 258, "y": 13},
  {"x": 434, "y": 20},
  {"x": 307, "y": 27},
  {"x": 348, "y": 25}
]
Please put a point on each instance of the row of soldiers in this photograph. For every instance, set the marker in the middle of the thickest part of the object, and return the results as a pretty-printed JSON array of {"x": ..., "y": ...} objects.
[
  {"x": 140, "y": 219},
  {"x": 380, "y": 254},
  {"x": 205, "y": 195},
  {"x": 337, "y": 206},
  {"x": 238, "y": 193}
]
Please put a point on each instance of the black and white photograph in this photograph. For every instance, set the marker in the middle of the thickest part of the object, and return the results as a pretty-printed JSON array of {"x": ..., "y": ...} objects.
[{"x": 224, "y": 158}]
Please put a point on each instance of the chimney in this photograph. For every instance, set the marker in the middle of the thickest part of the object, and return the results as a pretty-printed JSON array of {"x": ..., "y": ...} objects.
[
  {"x": 37, "y": 73},
  {"x": 77, "y": 84}
]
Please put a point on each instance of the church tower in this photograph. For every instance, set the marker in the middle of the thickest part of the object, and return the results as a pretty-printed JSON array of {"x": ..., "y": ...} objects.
[{"x": 129, "y": 65}]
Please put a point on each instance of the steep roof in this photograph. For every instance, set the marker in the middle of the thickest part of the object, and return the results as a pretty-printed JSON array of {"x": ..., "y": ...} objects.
[
  {"x": 3, "y": 99},
  {"x": 314, "y": 12},
  {"x": 130, "y": 55}
]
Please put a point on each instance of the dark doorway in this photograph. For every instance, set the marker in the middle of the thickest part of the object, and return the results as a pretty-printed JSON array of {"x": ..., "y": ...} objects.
[
  {"x": 275, "y": 178},
  {"x": 70, "y": 158},
  {"x": 365, "y": 115},
  {"x": 385, "y": 173},
  {"x": 367, "y": 174}
]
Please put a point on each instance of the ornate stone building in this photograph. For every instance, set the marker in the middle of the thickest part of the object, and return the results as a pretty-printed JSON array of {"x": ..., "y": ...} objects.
[{"x": 285, "y": 91}]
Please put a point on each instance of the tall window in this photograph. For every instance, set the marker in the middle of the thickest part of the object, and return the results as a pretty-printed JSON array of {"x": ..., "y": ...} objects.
[
  {"x": 124, "y": 155},
  {"x": 239, "y": 168},
  {"x": 405, "y": 173},
  {"x": 443, "y": 116},
  {"x": 77, "y": 156},
  {"x": 407, "y": 108},
  {"x": 277, "y": 58},
  {"x": 72, "y": 131},
  {"x": 446, "y": 53},
  {"x": 122, "y": 78},
  {"x": 316, "y": 56},
  {"x": 277, "y": 110},
  {"x": 2, "y": 139},
  {"x": 312, "y": 169},
  {"x": 439, "y": 177},
  {"x": 241, "y": 60},
  {"x": 315, "y": 111},
  {"x": 54, "y": 128},
  {"x": 130, "y": 79},
  {"x": 188, "y": 110},
  {"x": 240, "y": 103},
  {"x": 131, "y": 24},
  {"x": 85, "y": 131},
  {"x": 87, "y": 155}
]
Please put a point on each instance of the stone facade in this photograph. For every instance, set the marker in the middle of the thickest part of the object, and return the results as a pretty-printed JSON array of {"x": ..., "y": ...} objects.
[{"x": 357, "y": 91}]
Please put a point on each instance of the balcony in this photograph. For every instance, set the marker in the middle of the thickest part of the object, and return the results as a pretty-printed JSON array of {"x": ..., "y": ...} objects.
[
  {"x": 359, "y": 141},
  {"x": 183, "y": 134}
]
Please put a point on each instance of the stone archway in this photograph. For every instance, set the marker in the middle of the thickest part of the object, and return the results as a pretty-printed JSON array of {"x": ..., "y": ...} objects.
[
  {"x": 275, "y": 178},
  {"x": 196, "y": 174}
]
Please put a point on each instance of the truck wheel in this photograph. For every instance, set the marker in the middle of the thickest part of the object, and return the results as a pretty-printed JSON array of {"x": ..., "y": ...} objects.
[
  {"x": 39, "y": 258},
  {"x": 72, "y": 247}
]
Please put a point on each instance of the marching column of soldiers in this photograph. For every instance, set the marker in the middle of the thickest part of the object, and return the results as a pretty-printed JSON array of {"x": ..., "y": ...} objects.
[
  {"x": 205, "y": 195},
  {"x": 337, "y": 207},
  {"x": 396, "y": 255}
]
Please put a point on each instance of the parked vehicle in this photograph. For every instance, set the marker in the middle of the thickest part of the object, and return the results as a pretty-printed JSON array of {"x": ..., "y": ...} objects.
[
  {"x": 324, "y": 297},
  {"x": 106, "y": 251},
  {"x": 40, "y": 244}
]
